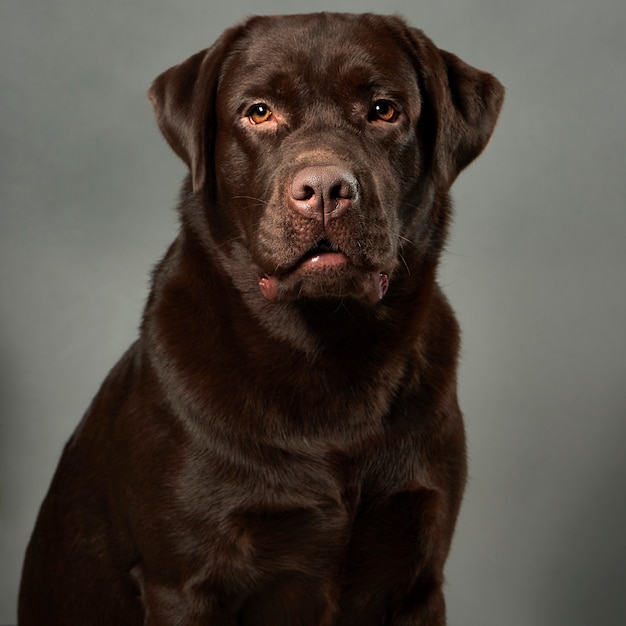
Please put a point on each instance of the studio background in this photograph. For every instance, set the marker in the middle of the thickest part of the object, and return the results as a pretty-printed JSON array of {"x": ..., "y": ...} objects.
[{"x": 535, "y": 270}]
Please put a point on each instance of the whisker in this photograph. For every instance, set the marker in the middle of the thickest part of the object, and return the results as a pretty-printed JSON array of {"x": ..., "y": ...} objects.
[
  {"x": 403, "y": 239},
  {"x": 256, "y": 200},
  {"x": 408, "y": 269},
  {"x": 229, "y": 241},
  {"x": 410, "y": 205}
]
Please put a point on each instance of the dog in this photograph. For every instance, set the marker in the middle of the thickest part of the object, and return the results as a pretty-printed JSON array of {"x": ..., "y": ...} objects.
[{"x": 282, "y": 445}]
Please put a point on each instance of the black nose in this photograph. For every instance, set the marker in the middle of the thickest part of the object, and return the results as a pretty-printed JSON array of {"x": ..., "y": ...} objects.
[{"x": 323, "y": 191}]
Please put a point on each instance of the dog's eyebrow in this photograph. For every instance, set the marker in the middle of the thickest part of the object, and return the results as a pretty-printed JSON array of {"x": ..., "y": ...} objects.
[{"x": 278, "y": 88}]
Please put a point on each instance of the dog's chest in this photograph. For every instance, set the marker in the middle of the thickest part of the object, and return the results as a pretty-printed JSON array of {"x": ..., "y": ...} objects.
[{"x": 285, "y": 513}]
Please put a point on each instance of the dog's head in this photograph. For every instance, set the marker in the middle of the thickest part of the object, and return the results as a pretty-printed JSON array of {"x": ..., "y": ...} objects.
[{"x": 321, "y": 148}]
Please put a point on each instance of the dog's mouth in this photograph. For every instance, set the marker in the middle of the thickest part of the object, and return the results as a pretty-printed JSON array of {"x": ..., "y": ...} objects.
[
  {"x": 324, "y": 271},
  {"x": 324, "y": 254}
]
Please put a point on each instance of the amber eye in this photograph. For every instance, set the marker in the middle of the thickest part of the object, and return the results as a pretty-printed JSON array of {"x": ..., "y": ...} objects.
[
  {"x": 384, "y": 110},
  {"x": 259, "y": 113}
]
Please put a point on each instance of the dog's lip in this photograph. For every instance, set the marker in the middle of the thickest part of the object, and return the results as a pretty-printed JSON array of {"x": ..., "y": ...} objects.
[
  {"x": 325, "y": 258},
  {"x": 375, "y": 283},
  {"x": 319, "y": 257},
  {"x": 323, "y": 254}
]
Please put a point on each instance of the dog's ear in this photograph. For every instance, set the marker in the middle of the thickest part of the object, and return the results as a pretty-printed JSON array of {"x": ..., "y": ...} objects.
[
  {"x": 183, "y": 99},
  {"x": 462, "y": 106}
]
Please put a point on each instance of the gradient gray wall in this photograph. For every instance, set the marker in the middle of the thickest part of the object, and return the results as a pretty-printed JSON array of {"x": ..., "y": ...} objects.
[{"x": 535, "y": 269}]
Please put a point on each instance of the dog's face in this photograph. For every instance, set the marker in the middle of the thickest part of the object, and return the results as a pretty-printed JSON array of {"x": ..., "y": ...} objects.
[
  {"x": 316, "y": 128},
  {"x": 318, "y": 144}
]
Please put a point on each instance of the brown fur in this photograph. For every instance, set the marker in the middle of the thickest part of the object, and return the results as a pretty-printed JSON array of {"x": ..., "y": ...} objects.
[{"x": 282, "y": 445}]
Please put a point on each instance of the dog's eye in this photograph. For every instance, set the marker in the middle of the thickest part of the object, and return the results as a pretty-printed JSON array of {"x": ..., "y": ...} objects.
[
  {"x": 384, "y": 110},
  {"x": 259, "y": 113}
]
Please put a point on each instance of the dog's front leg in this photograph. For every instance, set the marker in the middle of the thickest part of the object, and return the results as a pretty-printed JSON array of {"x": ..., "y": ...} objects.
[{"x": 188, "y": 603}]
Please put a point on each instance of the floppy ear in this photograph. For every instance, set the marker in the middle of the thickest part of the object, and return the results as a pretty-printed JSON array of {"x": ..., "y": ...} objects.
[
  {"x": 183, "y": 99},
  {"x": 464, "y": 104}
]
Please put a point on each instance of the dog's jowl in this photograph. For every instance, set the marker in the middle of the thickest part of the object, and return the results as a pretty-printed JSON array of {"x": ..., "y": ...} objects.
[{"x": 282, "y": 445}]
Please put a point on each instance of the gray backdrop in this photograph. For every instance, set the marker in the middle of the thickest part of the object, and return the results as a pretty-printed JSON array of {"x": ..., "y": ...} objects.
[{"x": 535, "y": 270}]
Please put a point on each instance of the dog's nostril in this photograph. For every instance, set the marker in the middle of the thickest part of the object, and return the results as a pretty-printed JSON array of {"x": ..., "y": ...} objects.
[
  {"x": 303, "y": 192},
  {"x": 343, "y": 190},
  {"x": 323, "y": 190}
]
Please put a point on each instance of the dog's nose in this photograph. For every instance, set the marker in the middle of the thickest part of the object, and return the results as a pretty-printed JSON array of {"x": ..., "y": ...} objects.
[{"x": 323, "y": 191}]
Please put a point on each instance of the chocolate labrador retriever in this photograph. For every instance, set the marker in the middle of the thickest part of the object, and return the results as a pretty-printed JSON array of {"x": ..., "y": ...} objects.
[{"x": 282, "y": 446}]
